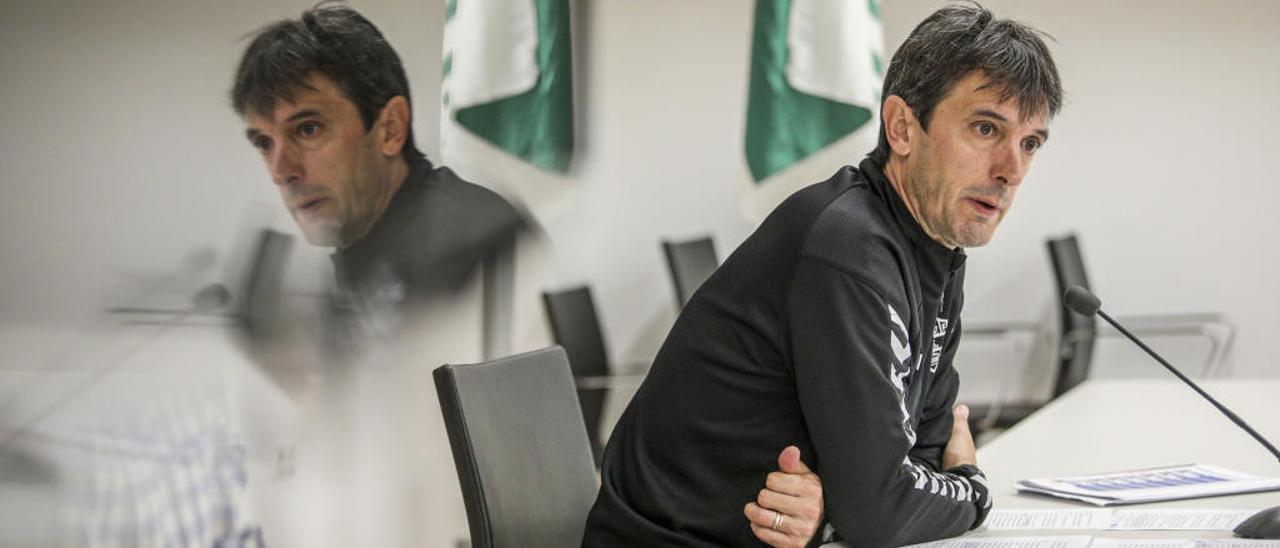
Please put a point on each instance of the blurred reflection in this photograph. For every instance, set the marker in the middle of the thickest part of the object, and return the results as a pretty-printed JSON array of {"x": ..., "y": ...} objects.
[
  {"x": 258, "y": 415},
  {"x": 121, "y": 444},
  {"x": 326, "y": 103}
]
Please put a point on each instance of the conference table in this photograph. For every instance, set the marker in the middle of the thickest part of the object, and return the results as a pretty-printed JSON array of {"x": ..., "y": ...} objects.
[{"x": 1117, "y": 425}]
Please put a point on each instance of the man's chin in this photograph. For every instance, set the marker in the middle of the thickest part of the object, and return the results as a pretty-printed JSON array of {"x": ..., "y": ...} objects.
[
  {"x": 321, "y": 234},
  {"x": 976, "y": 236},
  {"x": 977, "y": 240}
]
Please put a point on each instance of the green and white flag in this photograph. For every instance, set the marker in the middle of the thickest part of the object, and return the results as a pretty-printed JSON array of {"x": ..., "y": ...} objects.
[
  {"x": 508, "y": 76},
  {"x": 817, "y": 67}
]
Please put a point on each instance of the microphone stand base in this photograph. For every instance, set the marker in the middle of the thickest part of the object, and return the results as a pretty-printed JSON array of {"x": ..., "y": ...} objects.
[{"x": 1264, "y": 525}]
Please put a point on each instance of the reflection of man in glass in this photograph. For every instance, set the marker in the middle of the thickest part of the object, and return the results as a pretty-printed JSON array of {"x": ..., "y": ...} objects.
[
  {"x": 326, "y": 103},
  {"x": 325, "y": 100}
]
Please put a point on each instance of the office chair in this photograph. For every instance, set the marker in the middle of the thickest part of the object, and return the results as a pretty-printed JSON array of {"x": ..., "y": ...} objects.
[
  {"x": 1076, "y": 332},
  {"x": 1075, "y": 344},
  {"x": 522, "y": 455},
  {"x": 263, "y": 286},
  {"x": 576, "y": 327},
  {"x": 691, "y": 262},
  {"x": 252, "y": 304},
  {"x": 1077, "y": 335}
]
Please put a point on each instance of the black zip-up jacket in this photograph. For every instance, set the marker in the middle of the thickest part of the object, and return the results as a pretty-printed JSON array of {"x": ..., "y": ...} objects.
[
  {"x": 833, "y": 328},
  {"x": 434, "y": 233}
]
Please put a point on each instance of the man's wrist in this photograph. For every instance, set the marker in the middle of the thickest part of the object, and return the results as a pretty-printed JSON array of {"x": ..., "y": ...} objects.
[{"x": 981, "y": 496}]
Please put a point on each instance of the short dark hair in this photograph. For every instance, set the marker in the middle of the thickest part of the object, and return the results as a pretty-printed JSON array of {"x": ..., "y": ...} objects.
[
  {"x": 957, "y": 40},
  {"x": 335, "y": 41}
]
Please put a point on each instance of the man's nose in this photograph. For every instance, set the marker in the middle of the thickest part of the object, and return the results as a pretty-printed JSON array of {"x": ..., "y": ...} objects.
[
  {"x": 1009, "y": 164},
  {"x": 284, "y": 165}
]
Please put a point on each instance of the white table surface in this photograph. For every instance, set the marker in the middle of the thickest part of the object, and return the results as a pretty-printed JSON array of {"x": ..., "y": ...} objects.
[{"x": 1115, "y": 425}]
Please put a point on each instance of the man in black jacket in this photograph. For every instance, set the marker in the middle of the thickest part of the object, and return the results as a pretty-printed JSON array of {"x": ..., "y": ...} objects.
[
  {"x": 327, "y": 105},
  {"x": 833, "y": 327}
]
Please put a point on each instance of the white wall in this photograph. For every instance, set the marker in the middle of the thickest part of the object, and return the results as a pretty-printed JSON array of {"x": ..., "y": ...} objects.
[
  {"x": 119, "y": 155},
  {"x": 660, "y": 155}
]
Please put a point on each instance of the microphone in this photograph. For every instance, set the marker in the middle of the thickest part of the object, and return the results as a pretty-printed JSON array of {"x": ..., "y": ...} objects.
[
  {"x": 1264, "y": 524},
  {"x": 209, "y": 299}
]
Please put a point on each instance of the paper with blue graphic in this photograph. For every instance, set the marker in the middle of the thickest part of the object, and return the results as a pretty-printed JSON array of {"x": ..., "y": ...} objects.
[{"x": 1151, "y": 485}]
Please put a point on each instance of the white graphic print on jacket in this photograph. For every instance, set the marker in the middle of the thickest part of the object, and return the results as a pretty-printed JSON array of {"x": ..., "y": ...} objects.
[{"x": 900, "y": 369}]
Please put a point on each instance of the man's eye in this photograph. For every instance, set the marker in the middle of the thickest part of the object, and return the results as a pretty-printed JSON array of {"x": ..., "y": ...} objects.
[
  {"x": 309, "y": 129},
  {"x": 1031, "y": 145},
  {"x": 985, "y": 129},
  {"x": 262, "y": 143}
]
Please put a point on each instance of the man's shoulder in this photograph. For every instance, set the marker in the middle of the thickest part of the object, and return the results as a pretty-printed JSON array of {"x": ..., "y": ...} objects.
[
  {"x": 446, "y": 197},
  {"x": 444, "y": 182},
  {"x": 855, "y": 233}
]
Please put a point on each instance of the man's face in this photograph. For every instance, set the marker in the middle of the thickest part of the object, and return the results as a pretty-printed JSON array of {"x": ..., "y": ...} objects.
[
  {"x": 962, "y": 174},
  {"x": 330, "y": 171}
]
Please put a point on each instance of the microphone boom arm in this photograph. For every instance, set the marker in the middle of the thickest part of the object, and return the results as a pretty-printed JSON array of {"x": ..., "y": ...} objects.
[{"x": 1230, "y": 415}]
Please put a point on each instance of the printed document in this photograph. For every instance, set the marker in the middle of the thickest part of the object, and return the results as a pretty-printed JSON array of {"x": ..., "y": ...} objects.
[
  {"x": 1183, "y": 543},
  {"x": 1151, "y": 485},
  {"x": 1159, "y": 519},
  {"x": 1010, "y": 542}
]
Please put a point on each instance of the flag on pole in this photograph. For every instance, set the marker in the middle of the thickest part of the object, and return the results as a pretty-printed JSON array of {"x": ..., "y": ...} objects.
[
  {"x": 817, "y": 67},
  {"x": 508, "y": 76}
]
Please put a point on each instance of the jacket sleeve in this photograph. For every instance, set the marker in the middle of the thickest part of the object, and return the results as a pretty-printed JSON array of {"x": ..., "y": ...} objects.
[
  {"x": 934, "y": 429},
  {"x": 851, "y": 358}
]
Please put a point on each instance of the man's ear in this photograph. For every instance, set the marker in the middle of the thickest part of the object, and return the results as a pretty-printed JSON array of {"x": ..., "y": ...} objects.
[
  {"x": 394, "y": 125},
  {"x": 898, "y": 121}
]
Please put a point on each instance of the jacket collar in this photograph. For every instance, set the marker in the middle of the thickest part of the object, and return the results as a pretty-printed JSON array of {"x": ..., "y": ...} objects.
[
  {"x": 382, "y": 246},
  {"x": 938, "y": 257}
]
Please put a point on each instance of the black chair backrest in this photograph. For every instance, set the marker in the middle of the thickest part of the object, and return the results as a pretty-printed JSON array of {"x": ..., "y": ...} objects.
[
  {"x": 691, "y": 263},
  {"x": 1075, "y": 347},
  {"x": 520, "y": 449},
  {"x": 263, "y": 286},
  {"x": 576, "y": 327}
]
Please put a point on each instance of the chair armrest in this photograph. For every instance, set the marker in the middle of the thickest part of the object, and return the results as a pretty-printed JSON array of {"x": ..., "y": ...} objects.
[
  {"x": 1000, "y": 415},
  {"x": 633, "y": 366},
  {"x": 1189, "y": 318},
  {"x": 607, "y": 382},
  {"x": 1216, "y": 328},
  {"x": 999, "y": 328}
]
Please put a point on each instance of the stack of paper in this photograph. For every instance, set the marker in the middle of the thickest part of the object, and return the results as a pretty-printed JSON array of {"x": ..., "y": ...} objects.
[
  {"x": 1151, "y": 485},
  {"x": 1009, "y": 542},
  {"x": 1091, "y": 542},
  {"x": 1150, "y": 519}
]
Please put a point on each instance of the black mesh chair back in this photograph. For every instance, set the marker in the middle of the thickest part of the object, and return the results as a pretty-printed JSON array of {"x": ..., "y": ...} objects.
[
  {"x": 691, "y": 263},
  {"x": 522, "y": 455},
  {"x": 575, "y": 326},
  {"x": 1075, "y": 346}
]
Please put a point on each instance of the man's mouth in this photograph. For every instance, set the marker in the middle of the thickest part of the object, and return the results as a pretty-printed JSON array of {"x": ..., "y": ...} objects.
[
  {"x": 309, "y": 204},
  {"x": 985, "y": 206}
]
